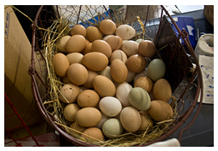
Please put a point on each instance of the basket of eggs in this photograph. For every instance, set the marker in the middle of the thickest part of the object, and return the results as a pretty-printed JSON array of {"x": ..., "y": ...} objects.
[{"x": 102, "y": 79}]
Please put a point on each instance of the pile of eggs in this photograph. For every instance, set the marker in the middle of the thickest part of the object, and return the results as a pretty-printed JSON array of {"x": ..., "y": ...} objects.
[{"x": 109, "y": 86}]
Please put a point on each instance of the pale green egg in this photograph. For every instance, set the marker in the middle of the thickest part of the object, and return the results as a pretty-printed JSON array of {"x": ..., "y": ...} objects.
[
  {"x": 139, "y": 99},
  {"x": 156, "y": 69},
  {"x": 112, "y": 128}
]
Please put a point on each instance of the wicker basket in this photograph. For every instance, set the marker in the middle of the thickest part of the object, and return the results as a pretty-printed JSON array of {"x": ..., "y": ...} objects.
[{"x": 186, "y": 84}]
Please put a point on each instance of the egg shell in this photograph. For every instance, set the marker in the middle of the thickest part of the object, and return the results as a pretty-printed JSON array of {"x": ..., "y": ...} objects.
[
  {"x": 147, "y": 48},
  {"x": 107, "y": 27},
  {"x": 139, "y": 40},
  {"x": 119, "y": 71},
  {"x": 160, "y": 110},
  {"x": 70, "y": 92},
  {"x": 110, "y": 106},
  {"x": 93, "y": 133},
  {"x": 156, "y": 69},
  {"x": 75, "y": 57},
  {"x": 87, "y": 49},
  {"x": 125, "y": 31},
  {"x": 77, "y": 74},
  {"x": 141, "y": 74},
  {"x": 65, "y": 80},
  {"x": 88, "y": 117},
  {"x": 162, "y": 90},
  {"x": 112, "y": 128},
  {"x": 106, "y": 72},
  {"x": 130, "y": 47},
  {"x": 118, "y": 54},
  {"x": 151, "y": 96},
  {"x": 104, "y": 86},
  {"x": 70, "y": 111},
  {"x": 87, "y": 42},
  {"x": 76, "y": 43},
  {"x": 122, "y": 93},
  {"x": 145, "y": 120},
  {"x": 78, "y": 30},
  {"x": 75, "y": 126},
  {"x": 130, "y": 76},
  {"x": 136, "y": 63},
  {"x": 88, "y": 98},
  {"x": 130, "y": 119},
  {"x": 115, "y": 42},
  {"x": 102, "y": 46},
  {"x": 95, "y": 61},
  {"x": 61, "y": 43},
  {"x": 91, "y": 76},
  {"x": 145, "y": 83},
  {"x": 93, "y": 33},
  {"x": 139, "y": 98},
  {"x": 106, "y": 37},
  {"x": 60, "y": 64},
  {"x": 103, "y": 119}
]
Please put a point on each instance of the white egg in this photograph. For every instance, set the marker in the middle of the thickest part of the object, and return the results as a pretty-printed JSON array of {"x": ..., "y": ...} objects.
[
  {"x": 125, "y": 31},
  {"x": 103, "y": 119},
  {"x": 123, "y": 92},
  {"x": 110, "y": 106}
]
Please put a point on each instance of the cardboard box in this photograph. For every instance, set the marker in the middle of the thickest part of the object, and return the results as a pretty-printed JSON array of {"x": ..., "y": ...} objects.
[{"x": 18, "y": 87}]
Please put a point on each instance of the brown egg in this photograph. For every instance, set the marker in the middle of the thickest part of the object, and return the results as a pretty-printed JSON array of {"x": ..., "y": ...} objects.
[
  {"x": 136, "y": 63},
  {"x": 95, "y": 61},
  {"x": 102, "y": 46},
  {"x": 88, "y": 117},
  {"x": 106, "y": 37},
  {"x": 104, "y": 86},
  {"x": 77, "y": 74},
  {"x": 88, "y": 98},
  {"x": 65, "y": 80},
  {"x": 78, "y": 128},
  {"x": 87, "y": 49},
  {"x": 87, "y": 42},
  {"x": 93, "y": 33},
  {"x": 60, "y": 64},
  {"x": 160, "y": 110},
  {"x": 118, "y": 54},
  {"x": 147, "y": 48},
  {"x": 145, "y": 83},
  {"x": 162, "y": 90},
  {"x": 115, "y": 42},
  {"x": 91, "y": 76},
  {"x": 78, "y": 30},
  {"x": 70, "y": 111},
  {"x": 145, "y": 120},
  {"x": 61, "y": 43},
  {"x": 118, "y": 71},
  {"x": 76, "y": 43},
  {"x": 68, "y": 93},
  {"x": 130, "y": 119},
  {"x": 107, "y": 27},
  {"x": 93, "y": 133},
  {"x": 75, "y": 57}
]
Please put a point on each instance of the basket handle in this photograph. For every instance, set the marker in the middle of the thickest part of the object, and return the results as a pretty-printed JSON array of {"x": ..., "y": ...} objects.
[{"x": 185, "y": 38}]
